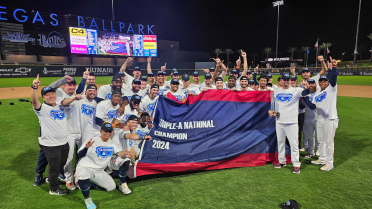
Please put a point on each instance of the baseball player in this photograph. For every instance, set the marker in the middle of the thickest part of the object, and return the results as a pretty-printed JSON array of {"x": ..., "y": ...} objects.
[
  {"x": 231, "y": 82},
  {"x": 88, "y": 78},
  {"x": 68, "y": 91},
  {"x": 160, "y": 81},
  {"x": 244, "y": 84},
  {"x": 174, "y": 75},
  {"x": 208, "y": 79},
  {"x": 81, "y": 109},
  {"x": 105, "y": 91},
  {"x": 148, "y": 103},
  {"x": 144, "y": 86},
  {"x": 186, "y": 88},
  {"x": 95, "y": 155},
  {"x": 136, "y": 89},
  {"x": 131, "y": 108},
  {"x": 219, "y": 83},
  {"x": 180, "y": 96},
  {"x": 195, "y": 80},
  {"x": 327, "y": 118},
  {"x": 262, "y": 84},
  {"x": 252, "y": 84},
  {"x": 288, "y": 98},
  {"x": 52, "y": 140}
]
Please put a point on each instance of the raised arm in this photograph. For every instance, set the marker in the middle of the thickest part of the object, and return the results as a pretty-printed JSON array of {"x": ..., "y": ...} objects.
[
  {"x": 81, "y": 86},
  {"x": 137, "y": 137},
  {"x": 308, "y": 103},
  {"x": 127, "y": 63},
  {"x": 255, "y": 75},
  {"x": 215, "y": 73},
  {"x": 244, "y": 55},
  {"x": 60, "y": 82},
  {"x": 324, "y": 66},
  {"x": 293, "y": 71},
  {"x": 332, "y": 72},
  {"x": 34, "y": 96},
  {"x": 163, "y": 67},
  {"x": 149, "y": 65}
]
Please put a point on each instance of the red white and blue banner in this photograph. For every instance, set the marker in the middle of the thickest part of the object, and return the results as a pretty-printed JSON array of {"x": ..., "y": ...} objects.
[{"x": 215, "y": 130}]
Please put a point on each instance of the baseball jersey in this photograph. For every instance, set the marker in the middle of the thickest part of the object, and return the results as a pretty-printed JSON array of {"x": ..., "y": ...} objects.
[
  {"x": 105, "y": 91},
  {"x": 178, "y": 94},
  {"x": 53, "y": 124},
  {"x": 163, "y": 89},
  {"x": 310, "y": 115},
  {"x": 129, "y": 93},
  {"x": 99, "y": 154},
  {"x": 78, "y": 115},
  {"x": 148, "y": 105},
  {"x": 128, "y": 112},
  {"x": 325, "y": 102},
  {"x": 194, "y": 90},
  {"x": 128, "y": 80},
  {"x": 104, "y": 110},
  {"x": 61, "y": 95},
  {"x": 288, "y": 99}
]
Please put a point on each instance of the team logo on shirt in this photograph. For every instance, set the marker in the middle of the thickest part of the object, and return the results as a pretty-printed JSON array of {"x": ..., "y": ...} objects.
[
  {"x": 311, "y": 97},
  {"x": 58, "y": 114},
  {"x": 141, "y": 133},
  {"x": 87, "y": 109},
  {"x": 321, "y": 97},
  {"x": 284, "y": 97},
  {"x": 151, "y": 106},
  {"x": 161, "y": 91},
  {"x": 130, "y": 143},
  {"x": 179, "y": 97},
  {"x": 112, "y": 114},
  {"x": 104, "y": 152},
  {"x": 108, "y": 96}
]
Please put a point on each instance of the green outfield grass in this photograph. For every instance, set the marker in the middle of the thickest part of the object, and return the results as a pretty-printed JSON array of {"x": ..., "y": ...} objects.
[
  {"x": 25, "y": 82},
  {"x": 348, "y": 186}
]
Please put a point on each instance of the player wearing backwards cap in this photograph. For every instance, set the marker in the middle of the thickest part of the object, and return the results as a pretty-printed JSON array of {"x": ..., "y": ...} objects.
[
  {"x": 148, "y": 102},
  {"x": 327, "y": 119},
  {"x": 81, "y": 109},
  {"x": 53, "y": 137},
  {"x": 244, "y": 84},
  {"x": 105, "y": 91},
  {"x": 88, "y": 78},
  {"x": 136, "y": 89},
  {"x": 106, "y": 111},
  {"x": 179, "y": 95},
  {"x": 95, "y": 155},
  {"x": 287, "y": 122},
  {"x": 219, "y": 83},
  {"x": 186, "y": 88}
]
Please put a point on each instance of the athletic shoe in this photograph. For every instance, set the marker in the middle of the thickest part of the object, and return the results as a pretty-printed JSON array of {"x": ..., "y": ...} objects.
[
  {"x": 90, "y": 204},
  {"x": 38, "y": 180},
  {"x": 61, "y": 176},
  {"x": 297, "y": 170},
  {"x": 308, "y": 156},
  {"x": 317, "y": 162},
  {"x": 327, "y": 168},
  {"x": 302, "y": 149},
  {"x": 124, "y": 188},
  {"x": 58, "y": 191},
  {"x": 317, "y": 153},
  {"x": 279, "y": 165},
  {"x": 70, "y": 186}
]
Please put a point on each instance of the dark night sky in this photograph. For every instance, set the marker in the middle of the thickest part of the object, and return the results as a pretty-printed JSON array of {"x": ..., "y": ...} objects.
[{"x": 205, "y": 25}]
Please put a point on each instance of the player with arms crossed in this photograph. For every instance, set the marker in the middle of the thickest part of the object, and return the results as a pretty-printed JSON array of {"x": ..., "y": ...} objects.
[{"x": 288, "y": 98}]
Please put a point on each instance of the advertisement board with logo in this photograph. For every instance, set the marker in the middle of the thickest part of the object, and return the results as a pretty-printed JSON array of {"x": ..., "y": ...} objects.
[{"x": 83, "y": 41}]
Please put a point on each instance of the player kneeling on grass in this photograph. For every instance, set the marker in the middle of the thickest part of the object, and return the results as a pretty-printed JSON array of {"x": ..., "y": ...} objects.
[{"x": 95, "y": 156}]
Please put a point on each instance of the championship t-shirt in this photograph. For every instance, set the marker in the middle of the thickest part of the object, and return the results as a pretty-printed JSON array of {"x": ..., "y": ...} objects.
[
  {"x": 288, "y": 99},
  {"x": 128, "y": 112},
  {"x": 325, "y": 102},
  {"x": 148, "y": 105},
  {"x": 61, "y": 95},
  {"x": 105, "y": 91},
  {"x": 178, "y": 94},
  {"x": 78, "y": 115}
]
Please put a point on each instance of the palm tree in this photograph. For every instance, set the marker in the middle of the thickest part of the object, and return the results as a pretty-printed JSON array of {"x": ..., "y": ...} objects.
[
  {"x": 292, "y": 50},
  {"x": 324, "y": 47},
  {"x": 217, "y": 52},
  {"x": 228, "y": 52},
  {"x": 267, "y": 50},
  {"x": 254, "y": 55}
]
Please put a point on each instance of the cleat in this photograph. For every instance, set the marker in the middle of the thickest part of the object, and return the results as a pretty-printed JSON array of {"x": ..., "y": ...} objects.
[
  {"x": 38, "y": 180},
  {"x": 90, "y": 204},
  {"x": 124, "y": 188},
  {"x": 70, "y": 186},
  {"x": 279, "y": 165},
  {"x": 317, "y": 162},
  {"x": 297, "y": 170},
  {"x": 61, "y": 176},
  {"x": 327, "y": 168},
  {"x": 59, "y": 192},
  {"x": 308, "y": 156}
]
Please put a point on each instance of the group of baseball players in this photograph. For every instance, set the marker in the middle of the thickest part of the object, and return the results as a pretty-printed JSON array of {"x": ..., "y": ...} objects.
[{"x": 105, "y": 127}]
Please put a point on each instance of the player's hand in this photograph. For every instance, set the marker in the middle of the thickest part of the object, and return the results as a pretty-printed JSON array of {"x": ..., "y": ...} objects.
[
  {"x": 267, "y": 89},
  {"x": 205, "y": 89},
  {"x": 120, "y": 125},
  {"x": 150, "y": 125},
  {"x": 36, "y": 82},
  {"x": 151, "y": 118},
  {"x": 233, "y": 89},
  {"x": 320, "y": 58},
  {"x": 163, "y": 67},
  {"x": 149, "y": 59},
  {"x": 147, "y": 137},
  {"x": 256, "y": 87},
  {"x": 129, "y": 61},
  {"x": 205, "y": 70},
  {"x": 256, "y": 69},
  {"x": 68, "y": 78},
  {"x": 89, "y": 143},
  {"x": 86, "y": 74},
  {"x": 293, "y": 71},
  {"x": 126, "y": 128},
  {"x": 244, "y": 54},
  {"x": 272, "y": 113},
  {"x": 305, "y": 84},
  {"x": 238, "y": 62},
  {"x": 127, "y": 155},
  {"x": 121, "y": 110},
  {"x": 79, "y": 96}
]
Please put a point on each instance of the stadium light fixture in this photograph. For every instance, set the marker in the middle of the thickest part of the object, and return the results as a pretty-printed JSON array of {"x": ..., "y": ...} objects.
[{"x": 277, "y": 4}]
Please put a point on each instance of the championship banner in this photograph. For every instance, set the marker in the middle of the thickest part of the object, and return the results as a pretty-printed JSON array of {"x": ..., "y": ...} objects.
[{"x": 215, "y": 130}]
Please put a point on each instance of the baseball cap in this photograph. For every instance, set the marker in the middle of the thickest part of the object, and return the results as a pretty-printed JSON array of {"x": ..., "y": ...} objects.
[
  {"x": 164, "y": 73},
  {"x": 290, "y": 204},
  {"x": 174, "y": 70},
  {"x": 73, "y": 81},
  {"x": 175, "y": 73},
  {"x": 305, "y": 69},
  {"x": 208, "y": 75},
  {"x": 212, "y": 69},
  {"x": 269, "y": 75},
  {"x": 116, "y": 91},
  {"x": 46, "y": 90},
  {"x": 133, "y": 117},
  {"x": 232, "y": 77},
  {"x": 286, "y": 76},
  {"x": 107, "y": 127},
  {"x": 135, "y": 98},
  {"x": 150, "y": 74},
  {"x": 218, "y": 79},
  {"x": 121, "y": 73},
  {"x": 91, "y": 86},
  {"x": 143, "y": 78},
  {"x": 185, "y": 77},
  {"x": 323, "y": 78},
  {"x": 293, "y": 77},
  {"x": 155, "y": 86},
  {"x": 251, "y": 82},
  {"x": 196, "y": 73},
  {"x": 175, "y": 82},
  {"x": 280, "y": 78},
  {"x": 159, "y": 73},
  {"x": 249, "y": 72},
  {"x": 269, "y": 84},
  {"x": 234, "y": 71},
  {"x": 244, "y": 78},
  {"x": 311, "y": 80},
  {"x": 137, "y": 81},
  {"x": 116, "y": 77},
  {"x": 136, "y": 69}
]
